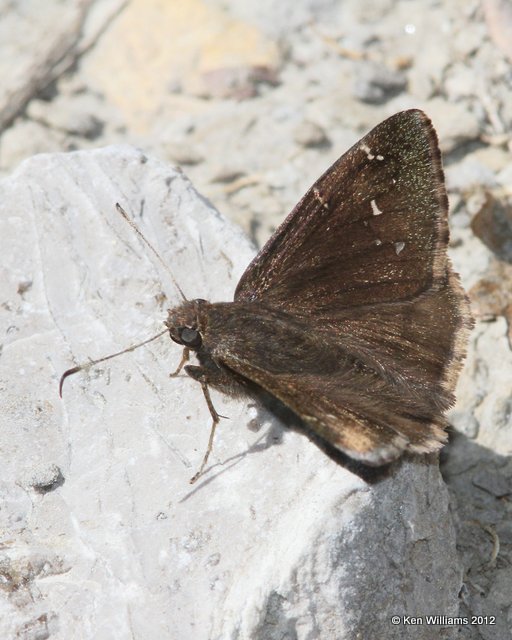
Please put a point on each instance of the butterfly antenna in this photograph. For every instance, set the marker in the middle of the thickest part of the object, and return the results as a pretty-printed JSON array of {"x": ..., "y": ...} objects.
[
  {"x": 91, "y": 363},
  {"x": 148, "y": 244}
]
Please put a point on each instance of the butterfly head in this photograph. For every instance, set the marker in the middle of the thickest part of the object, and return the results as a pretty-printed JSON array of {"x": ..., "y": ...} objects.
[{"x": 186, "y": 323}]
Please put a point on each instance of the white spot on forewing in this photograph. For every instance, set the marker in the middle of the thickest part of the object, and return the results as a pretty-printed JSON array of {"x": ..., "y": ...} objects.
[
  {"x": 379, "y": 157},
  {"x": 375, "y": 209},
  {"x": 320, "y": 199},
  {"x": 366, "y": 149},
  {"x": 378, "y": 242},
  {"x": 399, "y": 247}
]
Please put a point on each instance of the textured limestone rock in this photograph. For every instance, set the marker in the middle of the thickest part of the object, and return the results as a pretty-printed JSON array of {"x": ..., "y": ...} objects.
[{"x": 102, "y": 536}]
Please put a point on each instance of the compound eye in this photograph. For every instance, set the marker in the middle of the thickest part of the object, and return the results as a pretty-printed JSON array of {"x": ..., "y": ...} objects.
[{"x": 190, "y": 337}]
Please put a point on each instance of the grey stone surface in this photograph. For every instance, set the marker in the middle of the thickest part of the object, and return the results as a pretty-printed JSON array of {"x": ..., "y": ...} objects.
[
  {"x": 102, "y": 536},
  {"x": 40, "y": 41},
  {"x": 133, "y": 70}
]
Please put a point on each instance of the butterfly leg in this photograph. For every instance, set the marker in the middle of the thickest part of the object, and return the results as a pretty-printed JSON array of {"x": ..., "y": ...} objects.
[
  {"x": 184, "y": 360},
  {"x": 199, "y": 374}
]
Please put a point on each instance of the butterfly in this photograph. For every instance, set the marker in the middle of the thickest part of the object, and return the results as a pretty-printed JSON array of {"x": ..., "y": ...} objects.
[{"x": 351, "y": 314}]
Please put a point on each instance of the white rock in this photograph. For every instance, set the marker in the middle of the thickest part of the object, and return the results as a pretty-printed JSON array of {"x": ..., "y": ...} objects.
[{"x": 275, "y": 539}]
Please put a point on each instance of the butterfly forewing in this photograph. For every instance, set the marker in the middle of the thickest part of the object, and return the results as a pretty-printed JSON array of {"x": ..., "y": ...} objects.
[{"x": 368, "y": 231}]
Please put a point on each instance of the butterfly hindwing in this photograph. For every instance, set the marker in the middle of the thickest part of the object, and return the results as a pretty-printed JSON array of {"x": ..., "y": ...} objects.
[{"x": 345, "y": 400}]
